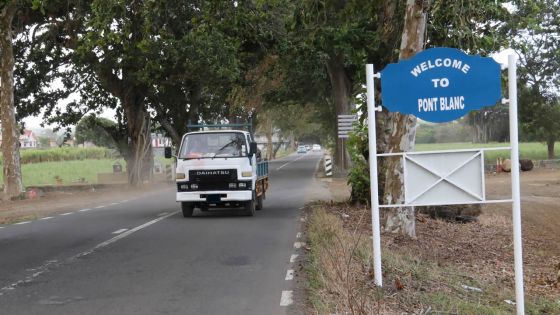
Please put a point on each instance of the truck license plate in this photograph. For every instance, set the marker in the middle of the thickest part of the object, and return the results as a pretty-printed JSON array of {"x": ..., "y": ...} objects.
[{"x": 213, "y": 198}]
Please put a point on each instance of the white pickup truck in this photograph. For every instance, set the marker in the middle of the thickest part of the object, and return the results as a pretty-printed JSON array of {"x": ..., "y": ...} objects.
[{"x": 221, "y": 169}]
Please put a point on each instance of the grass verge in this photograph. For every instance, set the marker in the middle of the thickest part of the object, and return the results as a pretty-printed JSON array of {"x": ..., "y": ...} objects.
[
  {"x": 527, "y": 150},
  {"x": 68, "y": 171},
  {"x": 340, "y": 277}
]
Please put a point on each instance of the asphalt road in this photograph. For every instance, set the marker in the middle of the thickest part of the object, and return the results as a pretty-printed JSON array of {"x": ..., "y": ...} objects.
[{"x": 142, "y": 257}]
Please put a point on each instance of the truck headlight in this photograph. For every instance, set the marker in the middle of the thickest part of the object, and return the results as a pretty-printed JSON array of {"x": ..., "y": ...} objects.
[
  {"x": 194, "y": 186},
  {"x": 242, "y": 185},
  {"x": 232, "y": 185},
  {"x": 246, "y": 174},
  {"x": 180, "y": 176}
]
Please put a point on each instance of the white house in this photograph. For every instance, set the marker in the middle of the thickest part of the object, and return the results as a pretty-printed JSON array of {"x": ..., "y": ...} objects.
[{"x": 27, "y": 140}]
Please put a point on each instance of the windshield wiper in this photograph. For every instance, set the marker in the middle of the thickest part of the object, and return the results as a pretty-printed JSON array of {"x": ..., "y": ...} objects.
[{"x": 234, "y": 141}]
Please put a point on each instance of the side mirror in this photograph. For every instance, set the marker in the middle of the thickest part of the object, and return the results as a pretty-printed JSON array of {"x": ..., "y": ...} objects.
[
  {"x": 252, "y": 148},
  {"x": 167, "y": 152}
]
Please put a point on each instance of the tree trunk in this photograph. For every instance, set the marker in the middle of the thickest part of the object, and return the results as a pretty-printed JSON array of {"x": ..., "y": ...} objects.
[
  {"x": 342, "y": 94},
  {"x": 550, "y": 147},
  {"x": 276, "y": 148},
  {"x": 140, "y": 159},
  {"x": 269, "y": 146},
  {"x": 401, "y": 129},
  {"x": 13, "y": 185}
]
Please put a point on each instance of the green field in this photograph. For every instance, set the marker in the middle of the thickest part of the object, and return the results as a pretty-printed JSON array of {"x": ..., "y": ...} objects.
[
  {"x": 69, "y": 171},
  {"x": 527, "y": 150}
]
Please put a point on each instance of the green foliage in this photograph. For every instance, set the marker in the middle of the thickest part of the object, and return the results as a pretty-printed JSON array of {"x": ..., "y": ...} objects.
[
  {"x": 65, "y": 154},
  {"x": 358, "y": 177},
  {"x": 95, "y": 130}
]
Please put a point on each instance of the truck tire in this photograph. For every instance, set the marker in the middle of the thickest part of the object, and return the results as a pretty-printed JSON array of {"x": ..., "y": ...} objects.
[
  {"x": 259, "y": 205},
  {"x": 187, "y": 208},
  {"x": 250, "y": 207}
]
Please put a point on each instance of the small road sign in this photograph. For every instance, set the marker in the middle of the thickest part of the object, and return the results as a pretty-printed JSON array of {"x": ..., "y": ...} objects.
[{"x": 345, "y": 124}]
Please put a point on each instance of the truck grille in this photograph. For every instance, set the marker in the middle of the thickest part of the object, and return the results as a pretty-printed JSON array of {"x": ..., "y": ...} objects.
[
  {"x": 210, "y": 186},
  {"x": 204, "y": 176}
]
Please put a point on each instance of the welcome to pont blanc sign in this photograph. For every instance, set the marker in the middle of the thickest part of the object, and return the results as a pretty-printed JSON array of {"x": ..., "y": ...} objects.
[{"x": 441, "y": 84}]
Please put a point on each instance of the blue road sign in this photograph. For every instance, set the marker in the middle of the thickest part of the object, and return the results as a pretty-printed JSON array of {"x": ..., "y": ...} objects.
[{"x": 441, "y": 84}]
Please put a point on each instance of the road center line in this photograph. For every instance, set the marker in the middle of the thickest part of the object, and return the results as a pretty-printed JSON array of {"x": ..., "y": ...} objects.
[
  {"x": 46, "y": 218},
  {"x": 119, "y": 231},
  {"x": 99, "y": 207},
  {"x": 290, "y": 162},
  {"x": 50, "y": 265},
  {"x": 125, "y": 234},
  {"x": 67, "y": 213},
  {"x": 23, "y": 222},
  {"x": 287, "y": 298},
  {"x": 114, "y": 203},
  {"x": 84, "y": 210}
]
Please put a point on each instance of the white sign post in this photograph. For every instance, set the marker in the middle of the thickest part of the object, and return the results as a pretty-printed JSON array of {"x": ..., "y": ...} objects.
[
  {"x": 429, "y": 176},
  {"x": 515, "y": 191},
  {"x": 374, "y": 190}
]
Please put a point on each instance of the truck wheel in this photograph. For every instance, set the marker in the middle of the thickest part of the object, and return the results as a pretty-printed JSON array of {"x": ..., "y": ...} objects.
[
  {"x": 187, "y": 208},
  {"x": 259, "y": 204},
  {"x": 250, "y": 207}
]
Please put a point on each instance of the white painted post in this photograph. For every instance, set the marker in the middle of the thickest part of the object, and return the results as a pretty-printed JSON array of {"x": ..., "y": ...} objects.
[
  {"x": 516, "y": 194},
  {"x": 371, "y": 109}
]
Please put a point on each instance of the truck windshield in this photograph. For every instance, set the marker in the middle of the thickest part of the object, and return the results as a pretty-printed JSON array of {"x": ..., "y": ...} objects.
[{"x": 214, "y": 144}]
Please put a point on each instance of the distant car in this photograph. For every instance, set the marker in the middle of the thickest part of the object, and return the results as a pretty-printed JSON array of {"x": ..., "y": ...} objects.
[
  {"x": 316, "y": 147},
  {"x": 307, "y": 147},
  {"x": 301, "y": 149}
]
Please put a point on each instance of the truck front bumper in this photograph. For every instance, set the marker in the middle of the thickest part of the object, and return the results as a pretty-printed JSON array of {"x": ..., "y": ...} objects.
[{"x": 225, "y": 195}]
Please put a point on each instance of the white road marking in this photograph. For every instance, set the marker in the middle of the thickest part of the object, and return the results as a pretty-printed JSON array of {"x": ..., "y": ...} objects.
[
  {"x": 84, "y": 210},
  {"x": 289, "y": 275},
  {"x": 126, "y": 200},
  {"x": 290, "y": 162},
  {"x": 99, "y": 207},
  {"x": 163, "y": 213},
  {"x": 51, "y": 264},
  {"x": 46, "y": 218},
  {"x": 114, "y": 203},
  {"x": 298, "y": 245},
  {"x": 67, "y": 213},
  {"x": 298, "y": 235},
  {"x": 287, "y": 298},
  {"x": 119, "y": 231},
  {"x": 123, "y": 235},
  {"x": 293, "y": 258},
  {"x": 23, "y": 222},
  {"x": 1, "y": 227},
  {"x": 38, "y": 271}
]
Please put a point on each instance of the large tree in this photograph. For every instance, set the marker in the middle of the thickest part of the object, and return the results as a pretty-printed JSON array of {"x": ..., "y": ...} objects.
[
  {"x": 13, "y": 185},
  {"x": 340, "y": 35},
  {"x": 537, "y": 41},
  {"x": 16, "y": 18}
]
